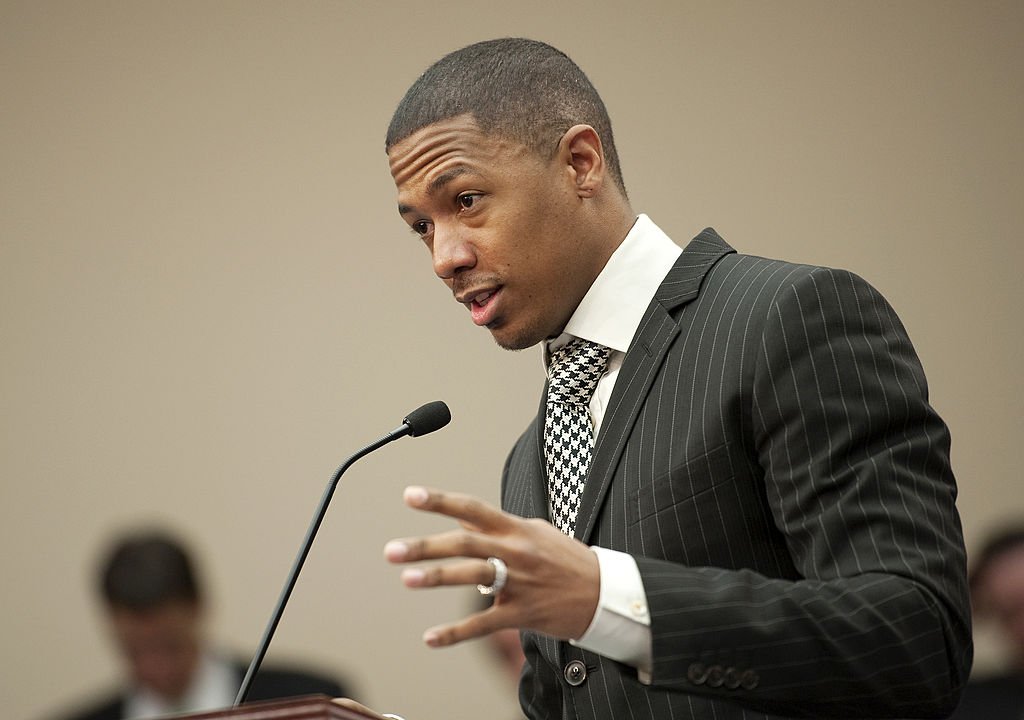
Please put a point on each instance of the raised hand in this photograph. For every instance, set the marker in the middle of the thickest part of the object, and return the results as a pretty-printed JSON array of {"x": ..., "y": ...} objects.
[{"x": 553, "y": 582}]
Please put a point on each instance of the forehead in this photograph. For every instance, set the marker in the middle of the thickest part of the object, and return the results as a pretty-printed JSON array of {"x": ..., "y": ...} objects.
[
  {"x": 453, "y": 145},
  {"x": 167, "y": 616}
]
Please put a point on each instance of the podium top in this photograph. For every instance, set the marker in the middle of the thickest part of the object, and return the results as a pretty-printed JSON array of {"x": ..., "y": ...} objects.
[{"x": 306, "y": 707}]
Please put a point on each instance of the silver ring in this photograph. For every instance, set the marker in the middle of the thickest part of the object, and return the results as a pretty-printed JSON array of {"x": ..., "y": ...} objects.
[{"x": 500, "y": 577}]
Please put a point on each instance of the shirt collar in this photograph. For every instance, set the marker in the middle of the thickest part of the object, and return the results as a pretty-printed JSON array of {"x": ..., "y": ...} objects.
[
  {"x": 610, "y": 312},
  {"x": 213, "y": 686}
]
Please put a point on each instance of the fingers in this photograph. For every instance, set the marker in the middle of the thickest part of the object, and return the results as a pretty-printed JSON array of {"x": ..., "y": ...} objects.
[
  {"x": 469, "y": 572},
  {"x": 474, "y": 626},
  {"x": 481, "y": 523},
  {"x": 454, "y": 543},
  {"x": 464, "y": 508},
  {"x": 553, "y": 582}
]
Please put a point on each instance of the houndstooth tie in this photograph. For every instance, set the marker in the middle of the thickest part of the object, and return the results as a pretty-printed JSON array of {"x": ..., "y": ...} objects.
[{"x": 568, "y": 436}]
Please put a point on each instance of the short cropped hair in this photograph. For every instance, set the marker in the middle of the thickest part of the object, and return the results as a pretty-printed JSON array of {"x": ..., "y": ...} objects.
[
  {"x": 146, "y": 570},
  {"x": 519, "y": 89}
]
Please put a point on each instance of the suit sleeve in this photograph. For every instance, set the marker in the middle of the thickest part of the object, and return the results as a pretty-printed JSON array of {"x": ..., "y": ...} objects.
[{"x": 856, "y": 476}]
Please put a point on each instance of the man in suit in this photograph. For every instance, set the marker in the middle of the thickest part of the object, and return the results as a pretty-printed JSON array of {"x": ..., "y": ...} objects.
[
  {"x": 755, "y": 515},
  {"x": 997, "y": 593},
  {"x": 155, "y": 606}
]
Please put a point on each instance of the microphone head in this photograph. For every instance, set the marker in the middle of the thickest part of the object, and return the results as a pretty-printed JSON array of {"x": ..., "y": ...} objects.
[{"x": 428, "y": 418}]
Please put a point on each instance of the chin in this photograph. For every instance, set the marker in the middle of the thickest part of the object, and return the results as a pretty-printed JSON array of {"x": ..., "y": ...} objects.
[
  {"x": 510, "y": 340},
  {"x": 527, "y": 334},
  {"x": 506, "y": 344}
]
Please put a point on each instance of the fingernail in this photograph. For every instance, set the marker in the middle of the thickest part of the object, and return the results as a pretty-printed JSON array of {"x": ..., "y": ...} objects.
[
  {"x": 432, "y": 638},
  {"x": 413, "y": 576},
  {"x": 415, "y": 495},
  {"x": 396, "y": 550}
]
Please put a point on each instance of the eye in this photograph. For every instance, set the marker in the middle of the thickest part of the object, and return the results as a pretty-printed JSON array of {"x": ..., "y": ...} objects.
[
  {"x": 421, "y": 227},
  {"x": 467, "y": 200}
]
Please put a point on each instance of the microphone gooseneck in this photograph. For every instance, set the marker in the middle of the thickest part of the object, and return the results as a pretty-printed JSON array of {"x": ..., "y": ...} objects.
[{"x": 425, "y": 419}]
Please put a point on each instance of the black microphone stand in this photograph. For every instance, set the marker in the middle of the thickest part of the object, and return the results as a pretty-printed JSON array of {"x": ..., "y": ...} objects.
[{"x": 300, "y": 559}]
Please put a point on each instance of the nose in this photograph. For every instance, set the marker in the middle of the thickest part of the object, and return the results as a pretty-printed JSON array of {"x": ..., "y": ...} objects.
[{"x": 451, "y": 252}]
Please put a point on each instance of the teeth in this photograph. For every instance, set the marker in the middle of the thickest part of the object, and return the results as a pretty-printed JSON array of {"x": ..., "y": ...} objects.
[{"x": 482, "y": 298}]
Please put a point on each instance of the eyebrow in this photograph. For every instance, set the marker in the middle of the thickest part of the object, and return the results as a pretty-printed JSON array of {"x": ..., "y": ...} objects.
[{"x": 437, "y": 184}]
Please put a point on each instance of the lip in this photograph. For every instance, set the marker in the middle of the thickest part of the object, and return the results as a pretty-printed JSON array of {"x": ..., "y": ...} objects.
[
  {"x": 486, "y": 310},
  {"x": 466, "y": 296}
]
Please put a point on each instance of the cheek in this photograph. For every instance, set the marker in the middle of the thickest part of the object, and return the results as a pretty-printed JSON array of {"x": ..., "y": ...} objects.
[{"x": 543, "y": 209}]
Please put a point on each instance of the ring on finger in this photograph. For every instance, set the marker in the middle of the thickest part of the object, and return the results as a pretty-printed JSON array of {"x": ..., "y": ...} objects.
[{"x": 500, "y": 577}]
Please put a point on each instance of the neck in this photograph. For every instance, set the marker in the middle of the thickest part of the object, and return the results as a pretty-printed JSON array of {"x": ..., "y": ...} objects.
[{"x": 615, "y": 222}]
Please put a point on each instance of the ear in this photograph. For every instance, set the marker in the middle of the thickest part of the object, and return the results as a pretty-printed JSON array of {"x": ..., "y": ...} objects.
[{"x": 581, "y": 149}]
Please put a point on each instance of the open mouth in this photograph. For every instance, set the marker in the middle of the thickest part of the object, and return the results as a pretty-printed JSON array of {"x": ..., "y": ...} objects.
[{"x": 483, "y": 306}]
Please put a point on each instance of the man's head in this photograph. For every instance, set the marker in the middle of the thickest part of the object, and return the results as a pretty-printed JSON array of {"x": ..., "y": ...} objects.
[
  {"x": 149, "y": 587},
  {"x": 505, "y": 166},
  {"x": 997, "y": 585},
  {"x": 519, "y": 89}
]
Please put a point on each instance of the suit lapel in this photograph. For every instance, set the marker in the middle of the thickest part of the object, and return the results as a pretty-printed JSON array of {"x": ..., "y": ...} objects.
[
  {"x": 640, "y": 366},
  {"x": 524, "y": 482},
  {"x": 539, "y": 474}
]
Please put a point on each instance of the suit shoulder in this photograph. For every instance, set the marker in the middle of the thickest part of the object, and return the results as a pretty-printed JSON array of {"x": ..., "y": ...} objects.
[
  {"x": 772, "y": 278},
  {"x": 727, "y": 263},
  {"x": 279, "y": 681},
  {"x": 778, "y": 268}
]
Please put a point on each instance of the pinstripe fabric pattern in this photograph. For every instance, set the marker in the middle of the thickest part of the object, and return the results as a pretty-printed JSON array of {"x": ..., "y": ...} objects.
[{"x": 770, "y": 459}]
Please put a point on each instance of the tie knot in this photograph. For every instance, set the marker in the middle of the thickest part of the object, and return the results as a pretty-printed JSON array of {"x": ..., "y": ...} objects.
[{"x": 575, "y": 369}]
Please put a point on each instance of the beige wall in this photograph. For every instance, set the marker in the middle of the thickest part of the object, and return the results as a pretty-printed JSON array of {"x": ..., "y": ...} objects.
[{"x": 207, "y": 299}]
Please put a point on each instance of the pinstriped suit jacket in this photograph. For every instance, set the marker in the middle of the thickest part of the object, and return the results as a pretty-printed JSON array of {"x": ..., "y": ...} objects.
[{"x": 770, "y": 459}]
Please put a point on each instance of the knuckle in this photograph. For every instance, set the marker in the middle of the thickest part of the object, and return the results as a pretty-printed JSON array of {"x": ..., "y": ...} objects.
[
  {"x": 473, "y": 506},
  {"x": 434, "y": 499},
  {"x": 465, "y": 543},
  {"x": 416, "y": 548}
]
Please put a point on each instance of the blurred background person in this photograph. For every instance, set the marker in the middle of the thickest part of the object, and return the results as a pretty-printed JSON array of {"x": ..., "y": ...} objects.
[
  {"x": 506, "y": 651},
  {"x": 997, "y": 597},
  {"x": 156, "y": 608}
]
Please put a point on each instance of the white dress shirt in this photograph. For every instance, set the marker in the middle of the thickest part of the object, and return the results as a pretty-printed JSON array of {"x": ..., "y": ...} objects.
[
  {"x": 610, "y": 314},
  {"x": 213, "y": 687}
]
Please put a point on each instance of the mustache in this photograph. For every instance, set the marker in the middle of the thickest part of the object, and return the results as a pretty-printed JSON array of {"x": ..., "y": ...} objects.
[{"x": 461, "y": 284}]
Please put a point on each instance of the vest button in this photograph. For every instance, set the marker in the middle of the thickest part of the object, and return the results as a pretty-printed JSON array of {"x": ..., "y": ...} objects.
[{"x": 575, "y": 673}]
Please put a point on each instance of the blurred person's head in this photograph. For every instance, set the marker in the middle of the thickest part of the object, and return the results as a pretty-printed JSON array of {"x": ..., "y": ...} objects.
[
  {"x": 997, "y": 586},
  {"x": 507, "y": 650},
  {"x": 148, "y": 584}
]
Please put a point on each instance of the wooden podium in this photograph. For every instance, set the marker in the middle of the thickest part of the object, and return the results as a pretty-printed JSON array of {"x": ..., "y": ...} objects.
[{"x": 306, "y": 707}]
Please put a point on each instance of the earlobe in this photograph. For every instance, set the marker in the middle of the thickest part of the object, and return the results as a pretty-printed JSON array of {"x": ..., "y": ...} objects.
[{"x": 585, "y": 157}]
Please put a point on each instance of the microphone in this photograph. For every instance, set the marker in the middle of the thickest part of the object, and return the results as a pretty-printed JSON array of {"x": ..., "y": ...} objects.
[
  {"x": 426, "y": 419},
  {"x": 421, "y": 421}
]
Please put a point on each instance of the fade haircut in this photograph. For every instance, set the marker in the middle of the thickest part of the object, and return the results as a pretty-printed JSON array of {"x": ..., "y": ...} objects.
[
  {"x": 147, "y": 570},
  {"x": 518, "y": 89}
]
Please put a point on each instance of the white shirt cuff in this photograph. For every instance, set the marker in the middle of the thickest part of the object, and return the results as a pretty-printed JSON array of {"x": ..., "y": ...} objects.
[{"x": 621, "y": 626}]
